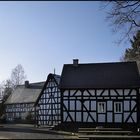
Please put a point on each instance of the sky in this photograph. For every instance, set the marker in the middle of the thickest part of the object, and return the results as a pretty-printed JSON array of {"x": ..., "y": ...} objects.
[{"x": 44, "y": 35}]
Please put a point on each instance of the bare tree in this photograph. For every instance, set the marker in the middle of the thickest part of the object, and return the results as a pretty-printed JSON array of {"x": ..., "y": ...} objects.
[
  {"x": 18, "y": 75},
  {"x": 124, "y": 17},
  {"x": 1, "y": 91},
  {"x": 7, "y": 88}
]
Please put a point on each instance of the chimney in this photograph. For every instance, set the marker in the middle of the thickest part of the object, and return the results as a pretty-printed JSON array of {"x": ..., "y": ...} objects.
[
  {"x": 27, "y": 85},
  {"x": 75, "y": 62}
]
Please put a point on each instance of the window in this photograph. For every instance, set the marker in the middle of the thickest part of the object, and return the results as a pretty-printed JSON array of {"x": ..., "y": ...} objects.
[
  {"x": 118, "y": 107},
  {"x": 101, "y": 107}
]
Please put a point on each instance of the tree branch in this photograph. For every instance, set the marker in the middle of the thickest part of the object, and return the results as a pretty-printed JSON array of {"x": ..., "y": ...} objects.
[
  {"x": 124, "y": 15},
  {"x": 129, "y": 5}
]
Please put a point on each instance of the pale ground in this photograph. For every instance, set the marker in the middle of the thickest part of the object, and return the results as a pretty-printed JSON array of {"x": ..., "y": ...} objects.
[
  {"x": 23, "y": 131},
  {"x": 30, "y": 132}
]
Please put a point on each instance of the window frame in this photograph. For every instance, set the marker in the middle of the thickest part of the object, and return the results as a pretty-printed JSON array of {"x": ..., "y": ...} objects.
[
  {"x": 103, "y": 110},
  {"x": 117, "y": 107}
]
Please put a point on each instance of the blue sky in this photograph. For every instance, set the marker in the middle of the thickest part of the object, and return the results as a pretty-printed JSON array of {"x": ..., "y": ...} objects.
[{"x": 45, "y": 35}]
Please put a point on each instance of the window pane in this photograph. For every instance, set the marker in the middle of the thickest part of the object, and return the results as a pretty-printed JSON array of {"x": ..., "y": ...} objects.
[
  {"x": 118, "y": 107},
  {"x": 101, "y": 107}
]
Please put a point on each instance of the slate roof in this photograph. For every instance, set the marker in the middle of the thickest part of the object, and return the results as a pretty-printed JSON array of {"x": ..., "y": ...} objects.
[
  {"x": 25, "y": 95},
  {"x": 100, "y": 75}
]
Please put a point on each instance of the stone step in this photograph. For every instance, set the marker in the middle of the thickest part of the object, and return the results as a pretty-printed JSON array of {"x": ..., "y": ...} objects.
[
  {"x": 102, "y": 129},
  {"x": 104, "y": 132},
  {"x": 110, "y": 136}
]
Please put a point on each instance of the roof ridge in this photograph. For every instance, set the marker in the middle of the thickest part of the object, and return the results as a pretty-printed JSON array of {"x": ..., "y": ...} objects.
[{"x": 104, "y": 63}]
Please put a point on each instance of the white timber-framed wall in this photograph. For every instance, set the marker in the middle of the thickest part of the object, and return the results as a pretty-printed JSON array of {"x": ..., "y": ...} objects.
[
  {"x": 83, "y": 106},
  {"x": 18, "y": 111},
  {"x": 48, "y": 105}
]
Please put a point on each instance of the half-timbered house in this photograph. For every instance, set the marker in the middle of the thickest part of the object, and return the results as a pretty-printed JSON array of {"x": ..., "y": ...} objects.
[
  {"x": 21, "y": 102},
  {"x": 48, "y": 103},
  {"x": 100, "y": 94}
]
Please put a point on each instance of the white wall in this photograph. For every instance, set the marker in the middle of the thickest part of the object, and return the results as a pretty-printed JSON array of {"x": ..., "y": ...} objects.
[{"x": 109, "y": 102}]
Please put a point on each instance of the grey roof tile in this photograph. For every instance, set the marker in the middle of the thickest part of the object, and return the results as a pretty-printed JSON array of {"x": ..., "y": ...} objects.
[
  {"x": 25, "y": 95},
  {"x": 100, "y": 75}
]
